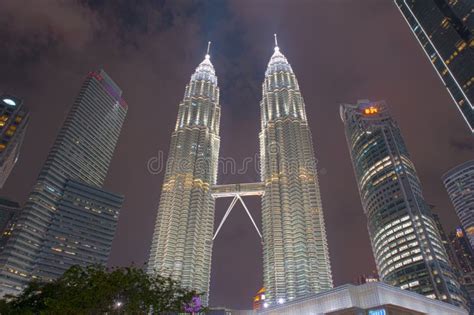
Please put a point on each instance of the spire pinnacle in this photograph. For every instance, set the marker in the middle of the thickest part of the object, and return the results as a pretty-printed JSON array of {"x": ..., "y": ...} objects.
[
  {"x": 276, "y": 43},
  {"x": 207, "y": 52}
]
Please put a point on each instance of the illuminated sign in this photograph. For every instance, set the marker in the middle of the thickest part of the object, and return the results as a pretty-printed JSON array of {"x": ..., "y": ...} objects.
[
  {"x": 371, "y": 110},
  {"x": 459, "y": 232},
  {"x": 379, "y": 311}
]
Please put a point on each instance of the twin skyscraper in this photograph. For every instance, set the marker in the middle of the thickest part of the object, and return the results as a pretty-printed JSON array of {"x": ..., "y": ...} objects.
[
  {"x": 295, "y": 251},
  {"x": 407, "y": 245},
  {"x": 69, "y": 219}
]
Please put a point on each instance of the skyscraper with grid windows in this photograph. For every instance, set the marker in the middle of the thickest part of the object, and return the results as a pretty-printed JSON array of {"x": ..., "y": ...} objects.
[
  {"x": 182, "y": 239},
  {"x": 444, "y": 29},
  {"x": 14, "y": 120},
  {"x": 81, "y": 154},
  {"x": 459, "y": 183},
  {"x": 295, "y": 251},
  {"x": 406, "y": 243}
]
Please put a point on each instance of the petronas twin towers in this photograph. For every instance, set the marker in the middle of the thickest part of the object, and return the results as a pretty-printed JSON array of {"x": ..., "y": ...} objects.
[{"x": 295, "y": 252}]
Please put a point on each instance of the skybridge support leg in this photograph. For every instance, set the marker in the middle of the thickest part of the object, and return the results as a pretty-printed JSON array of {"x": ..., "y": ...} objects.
[
  {"x": 250, "y": 216},
  {"x": 231, "y": 206},
  {"x": 229, "y": 209}
]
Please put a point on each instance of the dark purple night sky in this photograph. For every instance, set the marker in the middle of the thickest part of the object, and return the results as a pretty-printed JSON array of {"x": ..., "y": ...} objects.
[{"x": 341, "y": 51}]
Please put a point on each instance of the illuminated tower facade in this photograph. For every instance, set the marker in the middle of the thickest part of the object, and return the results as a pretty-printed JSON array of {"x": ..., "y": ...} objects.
[
  {"x": 81, "y": 154},
  {"x": 444, "y": 29},
  {"x": 406, "y": 242},
  {"x": 182, "y": 239},
  {"x": 14, "y": 119},
  {"x": 295, "y": 251},
  {"x": 459, "y": 183}
]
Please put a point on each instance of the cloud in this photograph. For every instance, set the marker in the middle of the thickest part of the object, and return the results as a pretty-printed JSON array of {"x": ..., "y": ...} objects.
[
  {"x": 32, "y": 28},
  {"x": 465, "y": 144},
  {"x": 29, "y": 26}
]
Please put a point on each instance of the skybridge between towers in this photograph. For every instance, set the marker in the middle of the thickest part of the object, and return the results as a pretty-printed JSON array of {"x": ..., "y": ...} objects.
[
  {"x": 295, "y": 252},
  {"x": 237, "y": 191}
]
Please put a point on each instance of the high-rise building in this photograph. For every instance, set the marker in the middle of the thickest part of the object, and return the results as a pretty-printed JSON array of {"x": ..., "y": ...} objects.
[
  {"x": 82, "y": 230},
  {"x": 9, "y": 211},
  {"x": 406, "y": 243},
  {"x": 182, "y": 240},
  {"x": 463, "y": 261},
  {"x": 459, "y": 183},
  {"x": 295, "y": 251},
  {"x": 445, "y": 240},
  {"x": 461, "y": 258},
  {"x": 13, "y": 123},
  {"x": 296, "y": 258},
  {"x": 463, "y": 253},
  {"x": 81, "y": 153},
  {"x": 444, "y": 29}
]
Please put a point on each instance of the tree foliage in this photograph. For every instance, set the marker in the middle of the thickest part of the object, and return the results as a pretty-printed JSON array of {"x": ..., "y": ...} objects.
[{"x": 96, "y": 290}]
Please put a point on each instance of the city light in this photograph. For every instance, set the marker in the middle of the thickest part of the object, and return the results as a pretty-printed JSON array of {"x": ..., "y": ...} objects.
[
  {"x": 265, "y": 305},
  {"x": 281, "y": 301},
  {"x": 371, "y": 110},
  {"x": 9, "y": 101}
]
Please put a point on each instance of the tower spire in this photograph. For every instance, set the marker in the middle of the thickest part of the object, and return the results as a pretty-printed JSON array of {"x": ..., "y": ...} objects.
[
  {"x": 207, "y": 52},
  {"x": 276, "y": 42}
]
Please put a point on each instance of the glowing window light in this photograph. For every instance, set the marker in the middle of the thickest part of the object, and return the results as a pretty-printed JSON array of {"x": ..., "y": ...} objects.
[{"x": 371, "y": 110}]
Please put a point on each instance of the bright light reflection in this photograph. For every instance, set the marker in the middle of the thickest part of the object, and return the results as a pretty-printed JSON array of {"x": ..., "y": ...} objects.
[{"x": 9, "y": 101}]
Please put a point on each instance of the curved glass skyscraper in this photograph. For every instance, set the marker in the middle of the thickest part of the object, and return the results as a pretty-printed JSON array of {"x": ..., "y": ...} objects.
[
  {"x": 295, "y": 252},
  {"x": 405, "y": 240},
  {"x": 182, "y": 240}
]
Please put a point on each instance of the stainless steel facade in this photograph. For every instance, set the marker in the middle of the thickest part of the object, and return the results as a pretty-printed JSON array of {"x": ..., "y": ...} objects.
[
  {"x": 406, "y": 243},
  {"x": 296, "y": 258},
  {"x": 295, "y": 251},
  {"x": 444, "y": 29},
  {"x": 81, "y": 152},
  {"x": 182, "y": 239}
]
